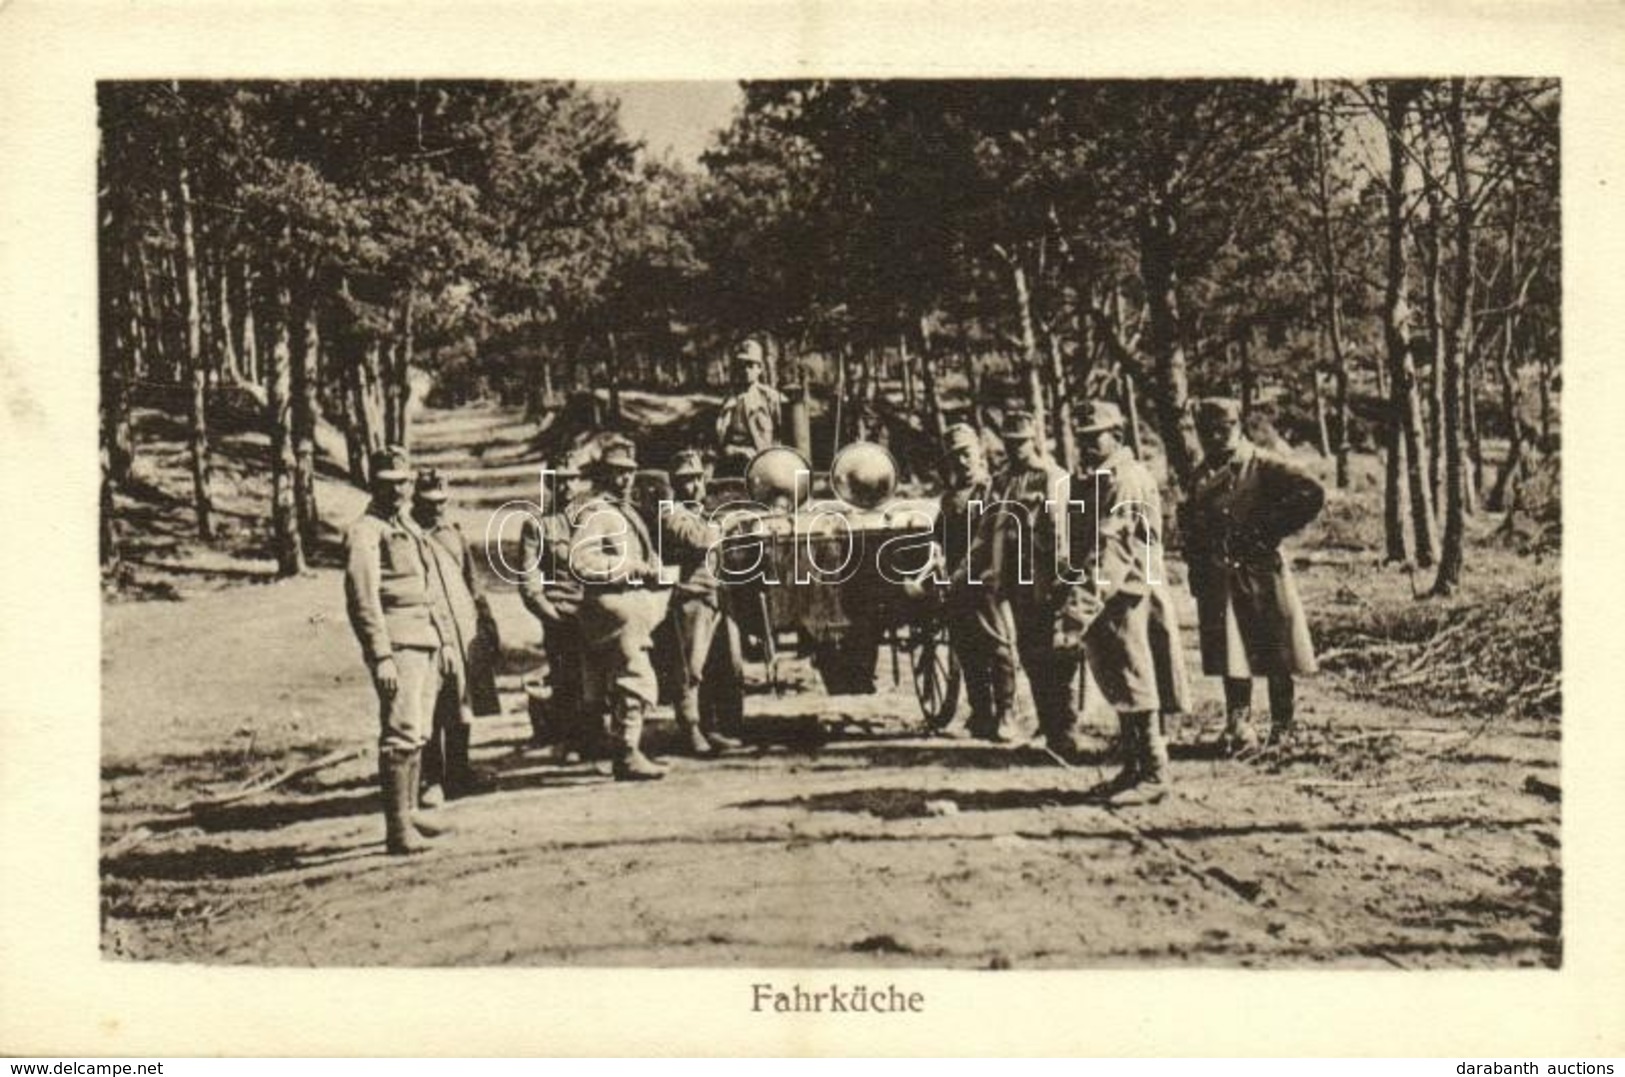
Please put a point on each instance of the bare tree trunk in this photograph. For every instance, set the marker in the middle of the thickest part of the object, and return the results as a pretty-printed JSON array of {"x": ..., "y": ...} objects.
[
  {"x": 1396, "y": 321},
  {"x": 306, "y": 341},
  {"x": 1068, "y": 439},
  {"x": 1475, "y": 445},
  {"x": 928, "y": 380},
  {"x": 1029, "y": 346},
  {"x": 1506, "y": 365},
  {"x": 1131, "y": 410},
  {"x": 401, "y": 397},
  {"x": 202, "y": 491},
  {"x": 1433, "y": 268},
  {"x": 1461, "y": 330},
  {"x": 1165, "y": 339},
  {"x": 1323, "y": 438},
  {"x": 250, "y": 348},
  {"x": 613, "y": 370},
  {"x": 905, "y": 365},
  {"x": 1334, "y": 308},
  {"x": 372, "y": 395},
  {"x": 226, "y": 330},
  {"x": 285, "y": 532}
]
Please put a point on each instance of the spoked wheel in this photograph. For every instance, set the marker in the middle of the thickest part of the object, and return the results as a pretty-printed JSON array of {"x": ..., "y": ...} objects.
[{"x": 936, "y": 676}]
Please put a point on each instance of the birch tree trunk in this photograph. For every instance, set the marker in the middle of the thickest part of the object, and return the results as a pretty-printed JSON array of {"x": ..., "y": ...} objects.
[
  {"x": 1461, "y": 330},
  {"x": 306, "y": 340},
  {"x": 285, "y": 535},
  {"x": 202, "y": 486}
]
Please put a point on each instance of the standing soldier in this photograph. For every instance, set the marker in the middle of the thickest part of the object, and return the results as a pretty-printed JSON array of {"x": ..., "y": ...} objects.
[
  {"x": 1030, "y": 529},
  {"x": 1245, "y": 500},
  {"x": 708, "y": 682},
  {"x": 471, "y": 689},
  {"x": 553, "y": 596},
  {"x": 978, "y": 615},
  {"x": 1121, "y": 542},
  {"x": 623, "y": 601},
  {"x": 749, "y": 419},
  {"x": 405, "y": 631}
]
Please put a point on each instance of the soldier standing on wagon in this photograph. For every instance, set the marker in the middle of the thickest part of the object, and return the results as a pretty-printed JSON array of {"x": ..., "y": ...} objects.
[
  {"x": 406, "y": 634},
  {"x": 553, "y": 596},
  {"x": 470, "y": 689},
  {"x": 980, "y": 629},
  {"x": 750, "y": 416},
  {"x": 623, "y": 601},
  {"x": 1030, "y": 526},
  {"x": 708, "y": 681},
  {"x": 1245, "y": 500}
]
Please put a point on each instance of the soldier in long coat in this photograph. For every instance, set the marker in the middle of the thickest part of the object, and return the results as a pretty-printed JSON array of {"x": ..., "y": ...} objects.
[
  {"x": 707, "y": 677},
  {"x": 750, "y": 416},
  {"x": 407, "y": 638},
  {"x": 553, "y": 596},
  {"x": 1244, "y": 502},
  {"x": 980, "y": 628},
  {"x": 470, "y": 690},
  {"x": 624, "y": 599}
]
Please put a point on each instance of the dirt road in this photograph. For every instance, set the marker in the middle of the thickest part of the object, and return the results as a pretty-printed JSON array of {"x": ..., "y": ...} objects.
[{"x": 841, "y": 836}]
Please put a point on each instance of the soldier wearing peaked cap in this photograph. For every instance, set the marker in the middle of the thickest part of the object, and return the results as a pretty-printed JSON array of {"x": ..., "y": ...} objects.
[
  {"x": 1244, "y": 501},
  {"x": 707, "y": 652},
  {"x": 553, "y": 596},
  {"x": 980, "y": 629},
  {"x": 406, "y": 632},
  {"x": 750, "y": 416},
  {"x": 1132, "y": 643},
  {"x": 469, "y": 689},
  {"x": 624, "y": 599},
  {"x": 1030, "y": 527}
]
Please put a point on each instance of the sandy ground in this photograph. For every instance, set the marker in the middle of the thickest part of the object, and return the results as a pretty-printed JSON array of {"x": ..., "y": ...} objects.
[{"x": 842, "y": 835}]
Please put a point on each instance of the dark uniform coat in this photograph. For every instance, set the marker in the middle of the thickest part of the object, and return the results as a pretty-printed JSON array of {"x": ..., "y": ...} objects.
[
  {"x": 479, "y": 646},
  {"x": 1241, "y": 508}
]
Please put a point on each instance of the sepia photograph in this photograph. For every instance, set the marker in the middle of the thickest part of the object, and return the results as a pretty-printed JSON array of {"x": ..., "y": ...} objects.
[{"x": 871, "y": 524}]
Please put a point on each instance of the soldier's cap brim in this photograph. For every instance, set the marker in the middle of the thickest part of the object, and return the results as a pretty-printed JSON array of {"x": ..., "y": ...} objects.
[
  {"x": 434, "y": 495},
  {"x": 393, "y": 475}
]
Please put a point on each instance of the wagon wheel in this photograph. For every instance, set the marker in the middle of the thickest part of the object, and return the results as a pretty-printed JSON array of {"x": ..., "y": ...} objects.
[{"x": 936, "y": 676}]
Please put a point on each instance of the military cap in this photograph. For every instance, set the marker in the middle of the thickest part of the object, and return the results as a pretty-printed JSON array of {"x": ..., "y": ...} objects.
[
  {"x": 962, "y": 436},
  {"x": 391, "y": 464},
  {"x": 431, "y": 485},
  {"x": 749, "y": 351},
  {"x": 1218, "y": 409},
  {"x": 569, "y": 465},
  {"x": 1100, "y": 415},
  {"x": 619, "y": 455},
  {"x": 688, "y": 463},
  {"x": 1019, "y": 426}
]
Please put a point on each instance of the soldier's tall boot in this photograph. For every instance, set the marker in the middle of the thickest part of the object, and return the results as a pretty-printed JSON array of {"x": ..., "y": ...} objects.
[
  {"x": 711, "y": 719},
  {"x": 1151, "y": 782},
  {"x": 1128, "y": 750},
  {"x": 1239, "y": 735},
  {"x": 431, "y": 788},
  {"x": 1283, "y": 708},
  {"x": 631, "y": 765},
  {"x": 397, "y": 781},
  {"x": 461, "y": 778},
  {"x": 421, "y": 822},
  {"x": 688, "y": 721}
]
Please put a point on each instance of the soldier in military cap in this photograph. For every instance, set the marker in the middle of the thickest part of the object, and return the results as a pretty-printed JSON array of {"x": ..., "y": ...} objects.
[
  {"x": 553, "y": 596},
  {"x": 1244, "y": 501},
  {"x": 706, "y": 674},
  {"x": 1029, "y": 529},
  {"x": 1122, "y": 547},
  {"x": 624, "y": 598},
  {"x": 471, "y": 689},
  {"x": 407, "y": 635},
  {"x": 980, "y": 628},
  {"x": 750, "y": 416}
]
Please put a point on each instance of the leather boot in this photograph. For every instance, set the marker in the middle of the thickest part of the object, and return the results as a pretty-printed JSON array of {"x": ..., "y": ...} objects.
[
  {"x": 1283, "y": 708},
  {"x": 1239, "y": 736},
  {"x": 709, "y": 720},
  {"x": 1128, "y": 750},
  {"x": 431, "y": 770},
  {"x": 631, "y": 765},
  {"x": 687, "y": 709},
  {"x": 1151, "y": 781},
  {"x": 420, "y": 822},
  {"x": 398, "y": 782}
]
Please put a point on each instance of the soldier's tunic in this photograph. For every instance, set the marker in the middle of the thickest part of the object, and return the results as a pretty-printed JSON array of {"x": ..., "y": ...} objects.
[
  {"x": 1031, "y": 524},
  {"x": 619, "y": 613},
  {"x": 553, "y": 596},
  {"x": 747, "y": 424},
  {"x": 477, "y": 647},
  {"x": 397, "y": 611},
  {"x": 980, "y": 627},
  {"x": 1132, "y": 645},
  {"x": 707, "y": 653},
  {"x": 1241, "y": 508}
]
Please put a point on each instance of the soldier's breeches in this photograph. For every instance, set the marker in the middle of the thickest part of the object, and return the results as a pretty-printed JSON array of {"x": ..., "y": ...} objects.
[
  {"x": 981, "y": 634},
  {"x": 1049, "y": 669},
  {"x": 697, "y": 622},
  {"x": 406, "y": 717},
  {"x": 617, "y": 632},
  {"x": 1118, "y": 647}
]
